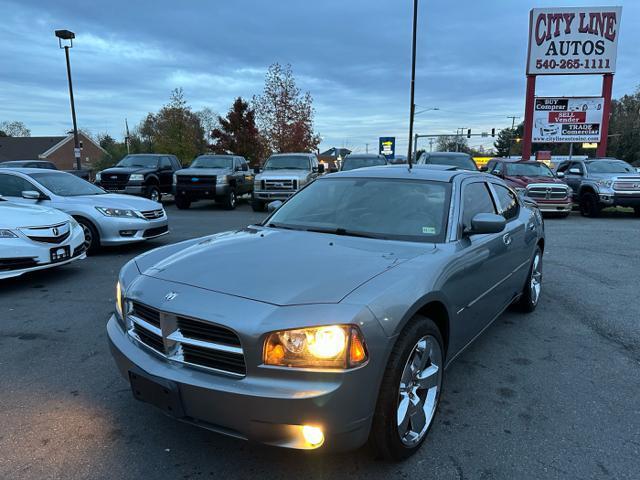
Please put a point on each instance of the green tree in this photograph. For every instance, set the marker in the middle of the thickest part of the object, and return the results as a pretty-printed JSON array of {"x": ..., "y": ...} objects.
[
  {"x": 175, "y": 129},
  {"x": 452, "y": 143},
  {"x": 624, "y": 128},
  {"x": 14, "y": 129},
  {"x": 239, "y": 134},
  {"x": 284, "y": 114}
]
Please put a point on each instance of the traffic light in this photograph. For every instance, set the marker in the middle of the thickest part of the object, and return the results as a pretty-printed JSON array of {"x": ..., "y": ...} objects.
[
  {"x": 469, "y": 133},
  {"x": 493, "y": 132}
]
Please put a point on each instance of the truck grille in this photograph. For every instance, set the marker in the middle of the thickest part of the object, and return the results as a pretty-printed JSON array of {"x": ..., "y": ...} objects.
[
  {"x": 153, "y": 214},
  {"x": 629, "y": 184},
  {"x": 196, "y": 180},
  {"x": 114, "y": 181},
  {"x": 185, "y": 340},
  {"x": 270, "y": 184},
  {"x": 547, "y": 192}
]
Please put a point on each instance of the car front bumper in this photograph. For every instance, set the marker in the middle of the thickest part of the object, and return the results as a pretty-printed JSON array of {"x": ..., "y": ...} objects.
[
  {"x": 195, "y": 192},
  {"x": 119, "y": 231},
  {"x": 554, "y": 207},
  {"x": 620, "y": 199},
  {"x": 270, "y": 408},
  {"x": 272, "y": 195},
  {"x": 39, "y": 253}
]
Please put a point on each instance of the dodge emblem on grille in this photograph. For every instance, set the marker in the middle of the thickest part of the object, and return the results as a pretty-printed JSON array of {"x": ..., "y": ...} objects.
[
  {"x": 170, "y": 296},
  {"x": 548, "y": 194}
]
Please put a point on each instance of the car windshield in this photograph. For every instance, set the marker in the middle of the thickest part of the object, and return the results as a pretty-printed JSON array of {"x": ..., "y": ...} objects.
[
  {"x": 528, "y": 170},
  {"x": 382, "y": 208},
  {"x": 454, "y": 160},
  {"x": 66, "y": 184},
  {"x": 360, "y": 162},
  {"x": 288, "y": 162},
  {"x": 144, "y": 161},
  {"x": 609, "y": 166},
  {"x": 212, "y": 161}
]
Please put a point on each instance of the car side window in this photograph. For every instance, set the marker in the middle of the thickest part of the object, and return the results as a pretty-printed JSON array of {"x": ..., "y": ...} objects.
[
  {"x": 244, "y": 166},
  {"x": 507, "y": 202},
  {"x": 475, "y": 199},
  {"x": 175, "y": 163},
  {"x": 563, "y": 167},
  {"x": 577, "y": 165},
  {"x": 13, "y": 186},
  {"x": 165, "y": 163}
]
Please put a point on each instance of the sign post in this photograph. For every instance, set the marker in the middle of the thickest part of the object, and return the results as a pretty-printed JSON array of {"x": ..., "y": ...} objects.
[
  {"x": 572, "y": 41},
  {"x": 387, "y": 147}
]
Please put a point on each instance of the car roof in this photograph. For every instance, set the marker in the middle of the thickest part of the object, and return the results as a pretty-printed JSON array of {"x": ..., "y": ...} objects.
[
  {"x": 291, "y": 153},
  {"x": 27, "y": 171},
  {"x": 439, "y": 173},
  {"x": 218, "y": 155},
  {"x": 602, "y": 158},
  {"x": 514, "y": 160},
  {"x": 364, "y": 155},
  {"x": 19, "y": 162},
  {"x": 448, "y": 154}
]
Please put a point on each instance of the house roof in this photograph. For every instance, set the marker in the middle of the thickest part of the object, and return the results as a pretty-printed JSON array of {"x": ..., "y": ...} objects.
[{"x": 26, "y": 148}]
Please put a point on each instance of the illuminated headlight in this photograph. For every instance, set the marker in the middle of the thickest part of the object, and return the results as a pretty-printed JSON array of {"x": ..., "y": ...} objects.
[
  {"x": 222, "y": 179},
  {"x": 119, "y": 300},
  {"x": 605, "y": 183},
  {"x": 331, "y": 346},
  {"x": 7, "y": 234},
  {"x": 117, "y": 212},
  {"x": 136, "y": 177},
  {"x": 98, "y": 177}
]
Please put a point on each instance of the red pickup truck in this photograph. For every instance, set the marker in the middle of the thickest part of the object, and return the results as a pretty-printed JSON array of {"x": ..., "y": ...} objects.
[{"x": 536, "y": 181}]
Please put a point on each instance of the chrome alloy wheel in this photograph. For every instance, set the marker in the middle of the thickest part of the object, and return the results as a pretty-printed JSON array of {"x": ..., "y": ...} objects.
[
  {"x": 88, "y": 236},
  {"x": 536, "y": 279},
  {"x": 155, "y": 196},
  {"x": 419, "y": 390}
]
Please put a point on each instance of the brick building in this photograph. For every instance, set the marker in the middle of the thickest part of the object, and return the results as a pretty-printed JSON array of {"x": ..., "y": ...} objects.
[{"x": 58, "y": 150}]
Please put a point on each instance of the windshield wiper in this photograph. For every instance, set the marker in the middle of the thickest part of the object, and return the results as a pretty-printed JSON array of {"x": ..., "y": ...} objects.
[
  {"x": 281, "y": 225},
  {"x": 345, "y": 232}
]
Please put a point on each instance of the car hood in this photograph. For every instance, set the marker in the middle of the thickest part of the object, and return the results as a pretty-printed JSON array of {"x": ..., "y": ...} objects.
[
  {"x": 524, "y": 180},
  {"x": 285, "y": 174},
  {"x": 279, "y": 267},
  {"x": 204, "y": 171},
  {"x": 13, "y": 215},
  {"x": 126, "y": 170},
  {"x": 116, "y": 200}
]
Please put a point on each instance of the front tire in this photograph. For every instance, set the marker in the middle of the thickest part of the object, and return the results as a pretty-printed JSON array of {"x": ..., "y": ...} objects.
[
  {"x": 182, "y": 202},
  {"x": 533, "y": 287},
  {"x": 589, "y": 205},
  {"x": 154, "y": 194},
  {"x": 230, "y": 201},
  {"x": 91, "y": 236},
  {"x": 410, "y": 391},
  {"x": 257, "y": 206}
]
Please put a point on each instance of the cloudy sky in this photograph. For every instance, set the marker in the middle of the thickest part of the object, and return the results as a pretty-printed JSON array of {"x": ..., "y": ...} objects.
[{"x": 352, "y": 55}]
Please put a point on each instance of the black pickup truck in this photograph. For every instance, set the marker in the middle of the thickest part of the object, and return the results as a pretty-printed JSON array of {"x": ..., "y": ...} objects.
[{"x": 148, "y": 175}]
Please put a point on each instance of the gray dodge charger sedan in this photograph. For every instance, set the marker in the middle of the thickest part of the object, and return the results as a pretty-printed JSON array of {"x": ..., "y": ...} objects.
[{"x": 332, "y": 322}]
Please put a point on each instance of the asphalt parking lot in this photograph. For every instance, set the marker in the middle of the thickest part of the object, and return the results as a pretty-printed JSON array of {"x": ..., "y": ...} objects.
[{"x": 552, "y": 395}]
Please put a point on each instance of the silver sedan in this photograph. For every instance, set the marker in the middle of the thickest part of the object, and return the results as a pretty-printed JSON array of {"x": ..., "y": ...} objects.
[
  {"x": 106, "y": 218},
  {"x": 363, "y": 288}
]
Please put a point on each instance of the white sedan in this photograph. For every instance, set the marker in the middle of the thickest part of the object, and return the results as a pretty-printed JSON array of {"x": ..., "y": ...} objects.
[{"x": 34, "y": 238}]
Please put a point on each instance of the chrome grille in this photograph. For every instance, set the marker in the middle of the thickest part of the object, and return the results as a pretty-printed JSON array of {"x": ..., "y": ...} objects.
[
  {"x": 153, "y": 214},
  {"x": 51, "y": 234},
  {"x": 547, "y": 191},
  {"x": 628, "y": 184},
  {"x": 197, "y": 180},
  {"x": 114, "y": 181},
  {"x": 185, "y": 340},
  {"x": 272, "y": 184}
]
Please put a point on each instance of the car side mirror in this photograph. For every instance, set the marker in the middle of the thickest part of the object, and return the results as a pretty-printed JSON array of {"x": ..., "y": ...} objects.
[
  {"x": 31, "y": 195},
  {"x": 483, "y": 223},
  {"x": 575, "y": 171},
  {"x": 273, "y": 206},
  {"x": 321, "y": 168},
  {"x": 256, "y": 170},
  {"x": 560, "y": 174}
]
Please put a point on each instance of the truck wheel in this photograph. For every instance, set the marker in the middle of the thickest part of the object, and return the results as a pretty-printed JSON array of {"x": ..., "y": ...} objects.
[
  {"x": 410, "y": 391},
  {"x": 182, "y": 202},
  {"x": 230, "y": 201},
  {"x": 153, "y": 193},
  {"x": 257, "y": 206},
  {"x": 589, "y": 205}
]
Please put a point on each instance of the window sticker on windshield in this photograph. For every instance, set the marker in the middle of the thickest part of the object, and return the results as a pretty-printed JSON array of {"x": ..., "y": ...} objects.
[{"x": 429, "y": 230}]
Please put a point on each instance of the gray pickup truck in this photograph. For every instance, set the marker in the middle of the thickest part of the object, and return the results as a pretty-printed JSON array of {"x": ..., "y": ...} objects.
[
  {"x": 283, "y": 175},
  {"x": 602, "y": 182}
]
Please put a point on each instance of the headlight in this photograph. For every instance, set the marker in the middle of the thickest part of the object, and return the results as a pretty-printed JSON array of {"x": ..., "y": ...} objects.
[
  {"x": 98, "y": 177},
  {"x": 331, "y": 346},
  {"x": 117, "y": 212},
  {"x": 7, "y": 234},
  {"x": 222, "y": 179},
  {"x": 136, "y": 177},
  {"x": 119, "y": 298},
  {"x": 605, "y": 183}
]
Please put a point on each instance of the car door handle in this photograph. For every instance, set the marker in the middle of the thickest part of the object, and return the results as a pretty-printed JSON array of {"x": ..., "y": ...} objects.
[
  {"x": 532, "y": 226},
  {"x": 506, "y": 238}
]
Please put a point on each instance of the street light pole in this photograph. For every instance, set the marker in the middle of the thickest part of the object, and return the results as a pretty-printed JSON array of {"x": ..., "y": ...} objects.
[
  {"x": 68, "y": 35},
  {"x": 413, "y": 79}
]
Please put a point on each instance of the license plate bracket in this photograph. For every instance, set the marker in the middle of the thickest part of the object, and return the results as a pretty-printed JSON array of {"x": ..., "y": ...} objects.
[
  {"x": 159, "y": 392},
  {"x": 60, "y": 254}
]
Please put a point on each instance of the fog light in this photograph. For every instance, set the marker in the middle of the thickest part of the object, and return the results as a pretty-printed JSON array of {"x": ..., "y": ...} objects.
[
  {"x": 313, "y": 435},
  {"x": 127, "y": 233}
]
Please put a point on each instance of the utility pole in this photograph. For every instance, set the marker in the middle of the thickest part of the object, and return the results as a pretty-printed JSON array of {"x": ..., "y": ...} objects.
[
  {"x": 513, "y": 125},
  {"x": 366, "y": 147},
  {"x": 431, "y": 144},
  {"x": 413, "y": 79},
  {"x": 126, "y": 139}
]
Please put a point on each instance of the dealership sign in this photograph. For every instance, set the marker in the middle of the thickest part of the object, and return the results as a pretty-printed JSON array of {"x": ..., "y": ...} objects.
[
  {"x": 387, "y": 147},
  {"x": 567, "y": 119},
  {"x": 574, "y": 40}
]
